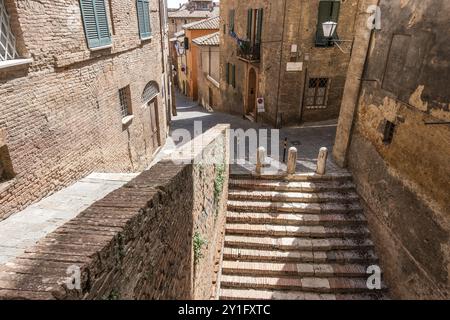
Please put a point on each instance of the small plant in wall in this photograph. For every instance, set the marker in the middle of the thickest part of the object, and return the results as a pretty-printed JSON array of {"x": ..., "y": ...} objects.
[
  {"x": 199, "y": 242},
  {"x": 218, "y": 184}
]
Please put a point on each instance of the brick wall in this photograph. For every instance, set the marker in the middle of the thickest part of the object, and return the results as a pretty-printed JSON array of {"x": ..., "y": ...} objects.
[
  {"x": 137, "y": 242},
  {"x": 60, "y": 115}
]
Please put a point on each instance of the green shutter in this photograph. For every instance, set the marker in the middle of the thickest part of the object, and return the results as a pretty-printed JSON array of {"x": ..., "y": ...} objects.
[
  {"x": 232, "y": 20},
  {"x": 249, "y": 24},
  {"x": 259, "y": 23},
  {"x": 95, "y": 22},
  {"x": 233, "y": 75},
  {"x": 328, "y": 11},
  {"x": 227, "y": 73},
  {"x": 143, "y": 13}
]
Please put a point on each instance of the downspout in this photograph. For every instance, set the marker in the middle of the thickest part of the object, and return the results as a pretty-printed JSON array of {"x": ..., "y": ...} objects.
[{"x": 279, "y": 70}]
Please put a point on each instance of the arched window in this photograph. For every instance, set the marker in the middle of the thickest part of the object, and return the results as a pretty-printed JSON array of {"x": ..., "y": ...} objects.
[
  {"x": 151, "y": 90},
  {"x": 7, "y": 40}
]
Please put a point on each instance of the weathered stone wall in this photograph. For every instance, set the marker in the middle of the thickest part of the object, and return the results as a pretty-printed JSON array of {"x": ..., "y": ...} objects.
[
  {"x": 404, "y": 182},
  {"x": 158, "y": 237},
  {"x": 61, "y": 114},
  {"x": 283, "y": 90}
]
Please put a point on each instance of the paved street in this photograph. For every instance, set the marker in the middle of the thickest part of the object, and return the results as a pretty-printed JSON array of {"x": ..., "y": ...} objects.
[{"x": 307, "y": 139}]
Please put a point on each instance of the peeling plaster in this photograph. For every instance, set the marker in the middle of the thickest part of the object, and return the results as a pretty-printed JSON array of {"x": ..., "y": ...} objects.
[{"x": 416, "y": 99}]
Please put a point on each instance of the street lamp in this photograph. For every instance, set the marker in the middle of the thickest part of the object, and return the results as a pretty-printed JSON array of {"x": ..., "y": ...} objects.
[{"x": 329, "y": 29}]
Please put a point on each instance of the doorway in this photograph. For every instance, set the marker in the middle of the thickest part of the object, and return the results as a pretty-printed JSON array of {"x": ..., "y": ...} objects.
[
  {"x": 155, "y": 140},
  {"x": 251, "y": 94}
]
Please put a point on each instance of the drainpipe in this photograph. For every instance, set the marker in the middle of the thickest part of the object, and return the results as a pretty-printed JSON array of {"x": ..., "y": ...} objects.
[{"x": 279, "y": 125}]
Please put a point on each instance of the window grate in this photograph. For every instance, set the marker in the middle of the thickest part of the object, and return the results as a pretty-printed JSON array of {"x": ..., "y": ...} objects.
[
  {"x": 389, "y": 130},
  {"x": 7, "y": 40},
  {"x": 316, "y": 93},
  {"x": 124, "y": 97}
]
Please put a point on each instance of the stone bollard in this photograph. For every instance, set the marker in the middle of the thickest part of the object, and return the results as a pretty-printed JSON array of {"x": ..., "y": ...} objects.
[
  {"x": 322, "y": 161},
  {"x": 292, "y": 160},
  {"x": 260, "y": 159}
]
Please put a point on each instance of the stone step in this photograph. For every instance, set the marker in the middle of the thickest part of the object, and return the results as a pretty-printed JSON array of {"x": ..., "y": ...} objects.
[
  {"x": 271, "y": 269},
  {"x": 252, "y": 294},
  {"x": 331, "y": 256},
  {"x": 275, "y": 196},
  {"x": 296, "y": 219},
  {"x": 311, "y": 176},
  {"x": 296, "y": 243},
  {"x": 291, "y": 186},
  {"x": 267, "y": 206},
  {"x": 295, "y": 231},
  {"x": 309, "y": 284}
]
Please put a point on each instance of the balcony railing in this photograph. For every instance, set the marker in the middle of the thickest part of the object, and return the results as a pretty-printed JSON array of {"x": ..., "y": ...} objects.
[{"x": 249, "y": 51}]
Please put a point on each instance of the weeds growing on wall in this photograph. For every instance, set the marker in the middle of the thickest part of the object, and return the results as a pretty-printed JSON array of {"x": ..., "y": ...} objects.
[
  {"x": 199, "y": 242},
  {"x": 218, "y": 185}
]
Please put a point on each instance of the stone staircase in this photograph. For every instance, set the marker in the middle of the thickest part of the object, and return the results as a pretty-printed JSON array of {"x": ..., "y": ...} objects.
[{"x": 305, "y": 237}]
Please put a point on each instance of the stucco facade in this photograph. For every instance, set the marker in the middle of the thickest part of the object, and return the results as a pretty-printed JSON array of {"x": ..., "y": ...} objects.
[
  {"x": 394, "y": 135},
  {"x": 72, "y": 110},
  {"x": 208, "y": 73},
  {"x": 291, "y": 70}
]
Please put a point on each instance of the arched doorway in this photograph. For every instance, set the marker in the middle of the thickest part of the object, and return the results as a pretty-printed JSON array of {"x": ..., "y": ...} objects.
[
  {"x": 251, "y": 94},
  {"x": 150, "y": 98}
]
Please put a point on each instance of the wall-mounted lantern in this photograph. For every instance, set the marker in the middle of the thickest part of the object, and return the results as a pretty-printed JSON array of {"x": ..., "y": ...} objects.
[{"x": 329, "y": 29}]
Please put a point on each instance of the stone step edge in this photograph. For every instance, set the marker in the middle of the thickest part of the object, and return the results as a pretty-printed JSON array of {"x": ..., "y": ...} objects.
[
  {"x": 331, "y": 256},
  {"x": 261, "y": 294}
]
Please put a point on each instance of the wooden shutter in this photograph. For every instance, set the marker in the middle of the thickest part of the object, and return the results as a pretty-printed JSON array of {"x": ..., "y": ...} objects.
[
  {"x": 143, "y": 13},
  {"x": 328, "y": 11},
  {"x": 259, "y": 24},
  {"x": 249, "y": 24},
  {"x": 227, "y": 73},
  {"x": 95, "y": 22},
  {"x": 231, "y": 22},
  {"x": 233, "y": 75}
]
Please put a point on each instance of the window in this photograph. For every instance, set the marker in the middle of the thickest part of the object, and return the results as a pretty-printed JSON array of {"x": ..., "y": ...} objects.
[
  {"x": 125, "y": 101},
  {"x": 6, "y": 170},
  {"x": 316, "y": 93},
  {"x": 143, "y": 12},
  {"x": 230, "y": 73},
  {"x": 389, "y": 129},
  {"x": 95, "y": 22},
  {"x": 7, "y": 40},
  {"x": 151, "y": 90},
  {"x": 231, "y": 20},
  {"x": 186, "y": 43},
  {"x": 328, "y": 11},
  {"x": 254, "y": 25}
]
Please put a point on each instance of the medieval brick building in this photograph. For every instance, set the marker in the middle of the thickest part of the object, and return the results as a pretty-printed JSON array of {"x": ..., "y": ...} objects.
[
  {"x": 276, "y": 50},
  {"x": 394, "y": 135},
  {"x": 83, "y": 87}
]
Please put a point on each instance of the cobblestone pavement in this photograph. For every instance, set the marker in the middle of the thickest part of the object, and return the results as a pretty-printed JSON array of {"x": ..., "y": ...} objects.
[{"x": 308, "y": 139}]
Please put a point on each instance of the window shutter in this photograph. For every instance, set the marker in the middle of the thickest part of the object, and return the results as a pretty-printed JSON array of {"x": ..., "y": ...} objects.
[
  {"x": 95, "y": 22},
  {"x": 227, "y": 73},
  {"x": 143, "y": 13},
  {"x": 249, "y": 24},
  {"x": 231, "y": 20},
  {"x": 233, "y": 76},
  {"x": 259, "y": 25},
  {"x": 328, "y": 11}
]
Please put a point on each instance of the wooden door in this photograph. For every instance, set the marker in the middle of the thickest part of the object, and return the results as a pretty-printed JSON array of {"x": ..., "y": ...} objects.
[{"x": 154, "y": 125}]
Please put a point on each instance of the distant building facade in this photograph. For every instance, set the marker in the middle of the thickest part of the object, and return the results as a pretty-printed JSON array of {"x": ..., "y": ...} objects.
[
  {"x": 188, "y": 53},
  {"x": 394, "y": 135},
  {"x": 208, "y": 73},
  {"x": 276, "y": 50},
  {"x": 87, "y": 92}
]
